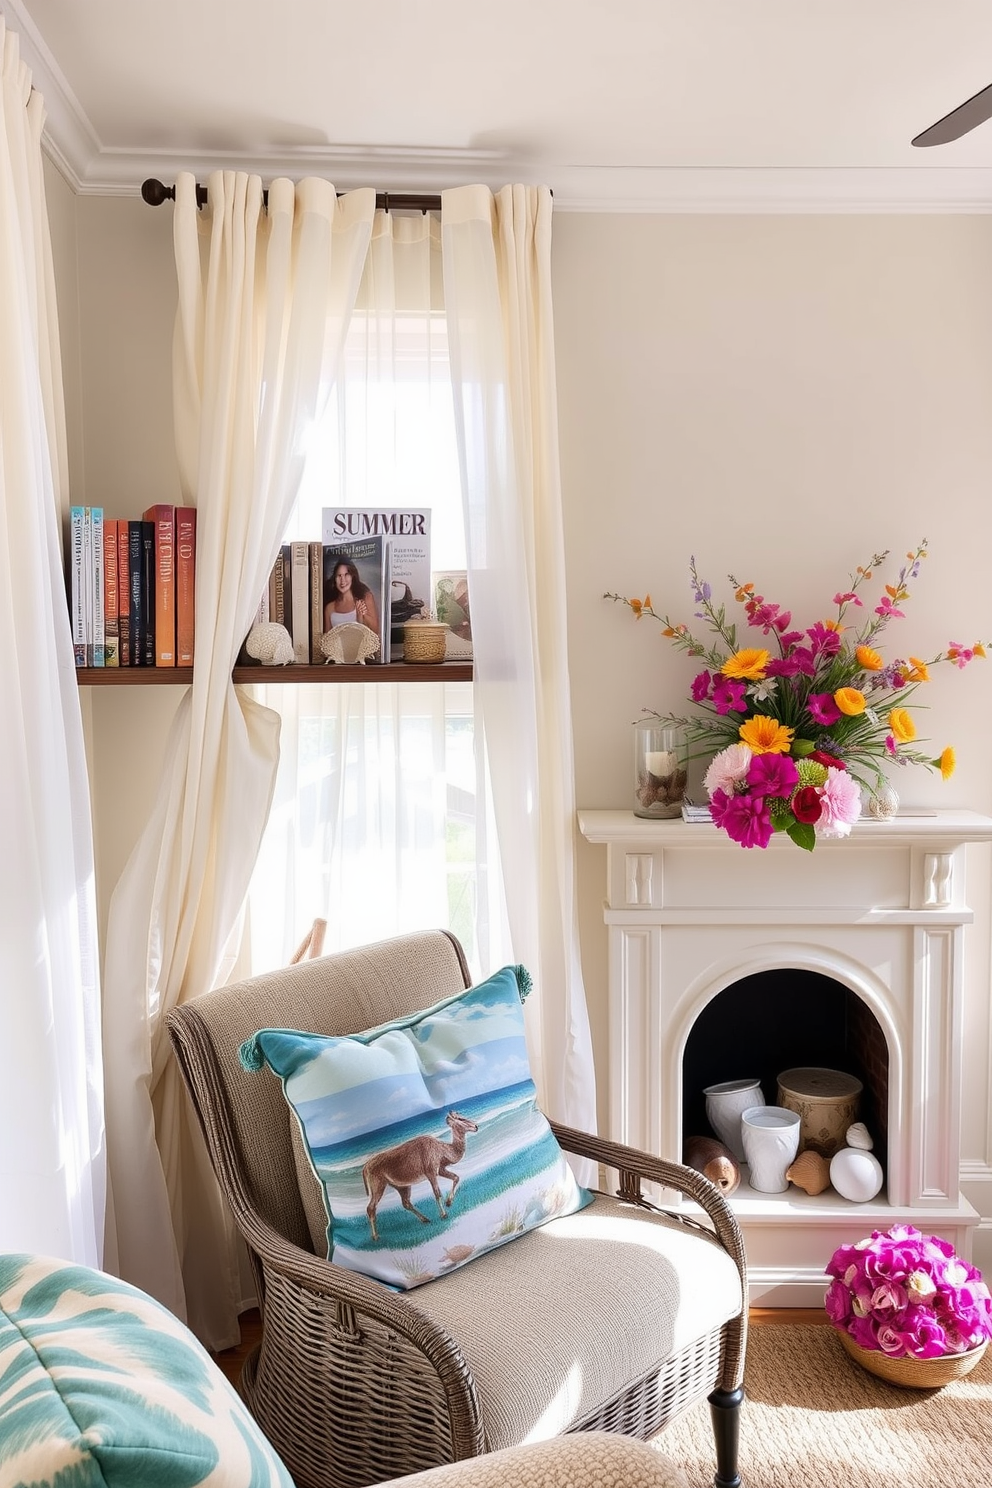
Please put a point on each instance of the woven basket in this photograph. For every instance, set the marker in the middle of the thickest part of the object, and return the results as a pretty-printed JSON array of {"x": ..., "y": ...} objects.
[
  {"x": 910, "y": 1373},
  {"x": 423, "y": 640}
]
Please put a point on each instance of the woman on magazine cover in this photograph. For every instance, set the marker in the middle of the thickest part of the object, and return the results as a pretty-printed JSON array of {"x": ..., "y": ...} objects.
[{"x": 347, "y": 601}]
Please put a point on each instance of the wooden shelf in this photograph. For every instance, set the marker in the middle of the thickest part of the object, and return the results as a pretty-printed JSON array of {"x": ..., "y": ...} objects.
[{"x": 397, "y": 671}]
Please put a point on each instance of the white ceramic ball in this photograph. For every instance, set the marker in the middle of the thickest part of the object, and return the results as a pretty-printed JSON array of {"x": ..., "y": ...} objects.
[{"x": 856, "y": 1174}]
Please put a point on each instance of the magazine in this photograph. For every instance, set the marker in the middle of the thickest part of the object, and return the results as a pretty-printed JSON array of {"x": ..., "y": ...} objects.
[
  {"x": 451, "y": 605},
  {"x": 407, "y": 532},
  {"x": 360, "y": 592}
]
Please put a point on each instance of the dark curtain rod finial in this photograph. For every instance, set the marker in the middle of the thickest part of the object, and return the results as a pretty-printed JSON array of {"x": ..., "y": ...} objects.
[{"x": 155, "y": 193}]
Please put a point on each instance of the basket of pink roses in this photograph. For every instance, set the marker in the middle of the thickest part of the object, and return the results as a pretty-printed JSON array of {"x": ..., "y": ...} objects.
[{"x": 908, "y": 1309}]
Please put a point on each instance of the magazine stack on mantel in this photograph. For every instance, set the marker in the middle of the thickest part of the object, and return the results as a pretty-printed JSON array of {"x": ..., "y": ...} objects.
[{"x": 693, "y": 812}]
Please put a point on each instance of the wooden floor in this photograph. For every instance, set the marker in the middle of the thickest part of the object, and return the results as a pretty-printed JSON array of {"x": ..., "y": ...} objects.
[{"x": 232, "y": 1359}]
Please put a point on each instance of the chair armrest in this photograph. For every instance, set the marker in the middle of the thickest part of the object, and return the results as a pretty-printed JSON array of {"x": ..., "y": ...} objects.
[{"x": 633, "y": 1165}]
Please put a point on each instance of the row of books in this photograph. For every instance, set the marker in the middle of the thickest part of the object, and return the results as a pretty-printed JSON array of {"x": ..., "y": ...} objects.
[
  {"x": 372, "y": 566},
  {"x": 132, "y": 587}
]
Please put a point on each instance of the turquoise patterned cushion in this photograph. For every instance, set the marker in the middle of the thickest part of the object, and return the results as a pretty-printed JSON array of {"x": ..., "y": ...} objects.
[
  {"x": 425, "y": 1134},
  {"x": 100, "y": 1387}
]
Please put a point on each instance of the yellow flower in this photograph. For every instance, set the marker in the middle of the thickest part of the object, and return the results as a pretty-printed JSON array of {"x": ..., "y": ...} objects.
[
  {"x": 918, "y": 671},
  {"x": 902, "y": 726},
  {"x": 640, "y": 605},
  {"x": 869, "y": 659},
  {"x": 947, "y": 761},
  {"x": 766, "y": 735},
  {"x": 850, "y": 701},
  {"x": 748, "y": 664}
]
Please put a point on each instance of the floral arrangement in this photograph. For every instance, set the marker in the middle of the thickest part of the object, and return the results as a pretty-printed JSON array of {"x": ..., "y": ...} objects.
[
  {"x": 801, "y": 723},
  {"x": 906, "y": 1293}
]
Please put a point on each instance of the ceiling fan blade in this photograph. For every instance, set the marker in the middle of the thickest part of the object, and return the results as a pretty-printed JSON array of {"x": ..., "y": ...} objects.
[{"x": 953, "y": 125}]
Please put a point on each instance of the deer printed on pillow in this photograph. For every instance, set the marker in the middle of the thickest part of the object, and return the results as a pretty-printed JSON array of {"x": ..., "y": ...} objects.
[
  {"x": 425, "y": 1134},
  {"x": 421, "y": 1159}
]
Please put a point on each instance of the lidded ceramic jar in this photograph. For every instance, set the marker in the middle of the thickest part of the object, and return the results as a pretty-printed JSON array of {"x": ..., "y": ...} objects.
[{"x": 827, "y": 1103}]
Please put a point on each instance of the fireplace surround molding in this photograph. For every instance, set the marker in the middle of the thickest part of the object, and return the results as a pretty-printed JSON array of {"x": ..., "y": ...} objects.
[{"x": 689, "y": 913}]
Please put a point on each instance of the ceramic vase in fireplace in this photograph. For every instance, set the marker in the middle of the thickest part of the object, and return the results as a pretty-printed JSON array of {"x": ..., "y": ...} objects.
[
  {"x": 771, "y": 1141},
  {"x": 725, "y": 1103}
]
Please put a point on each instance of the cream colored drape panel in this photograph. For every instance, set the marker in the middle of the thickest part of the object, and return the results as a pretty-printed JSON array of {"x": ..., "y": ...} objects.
[
  {"x": 497, "y": 292},
  {"x": 264, "y": 301},
  {"x": 52, "y": 1174}
]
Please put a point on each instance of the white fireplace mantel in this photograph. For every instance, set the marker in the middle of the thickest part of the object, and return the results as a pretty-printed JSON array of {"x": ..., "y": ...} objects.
[{"x": 883, "y": 911}]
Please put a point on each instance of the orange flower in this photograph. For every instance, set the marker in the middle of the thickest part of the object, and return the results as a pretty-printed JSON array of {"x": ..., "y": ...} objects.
[
  {"x": 978, "y": 649},
  {"x": 902, "y": 726},
  {"x": 748, "y": 664},
  {"x": 947, "y": 761},
  {"x": 850, "y": 701},
  {"x": 869, "y": 659},
  {"x": 744, "y": 592},
  {"x": 918, "y": 670},
  {"x": 832, "y": 625},
  {"x": 640, "y": 605},
  {"x": 766, "y": 735}
]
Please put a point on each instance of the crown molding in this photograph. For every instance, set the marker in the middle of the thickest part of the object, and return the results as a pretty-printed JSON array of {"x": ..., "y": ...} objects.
[
  {"x": 92, "y": 169},
  {"x": 576, "y": 188}
]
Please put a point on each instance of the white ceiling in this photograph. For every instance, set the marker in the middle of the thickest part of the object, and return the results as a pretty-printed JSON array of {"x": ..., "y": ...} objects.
[{"x": 616, "y": 104}]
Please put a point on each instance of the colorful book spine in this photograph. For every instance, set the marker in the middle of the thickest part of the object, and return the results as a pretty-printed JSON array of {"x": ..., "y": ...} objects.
[
  {"x": 124, "y": 595},
  {"x": 99, "y": 654},
  {"x": 148, "y": 591},
  {"x": 163, "y": 523},
  {"x": 185, "y": 584},
  {"x": 111, "y": 596},
  {"x": 88, "y": 582},
  {"x": 77, "y": 585},
  {"x": 316, "y": 601},
  {"x": 137, "y": 609},
  {"x": 300, "y": 589}
]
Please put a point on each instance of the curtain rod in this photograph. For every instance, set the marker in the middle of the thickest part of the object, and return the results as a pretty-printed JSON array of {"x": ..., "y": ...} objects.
[{"x": 155, "y": 193}]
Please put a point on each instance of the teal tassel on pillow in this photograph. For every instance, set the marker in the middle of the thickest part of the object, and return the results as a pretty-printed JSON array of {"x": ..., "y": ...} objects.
[
  {"x": 525, "y": 982},
  {"x": 251, "y": 1055}
]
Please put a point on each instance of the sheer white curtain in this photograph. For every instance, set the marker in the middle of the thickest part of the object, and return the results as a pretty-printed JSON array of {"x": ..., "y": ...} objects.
[
  {"x": 264, "y": 300},
  {"x": 378, "y": 823},
  {"x": 52, "y": 1176},
  {"x": 497, "y": 289}
]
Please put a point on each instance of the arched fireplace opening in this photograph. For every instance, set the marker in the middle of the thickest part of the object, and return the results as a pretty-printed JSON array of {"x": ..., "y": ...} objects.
[{"x": 779, "y": 1019}]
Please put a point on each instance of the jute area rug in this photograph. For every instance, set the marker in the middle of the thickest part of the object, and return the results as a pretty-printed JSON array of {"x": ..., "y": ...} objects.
[{"x": 814, "y": 1419}]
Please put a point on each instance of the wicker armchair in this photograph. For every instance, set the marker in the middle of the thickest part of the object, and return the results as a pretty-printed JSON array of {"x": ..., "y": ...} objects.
[{"x": 614, "y": 1319}]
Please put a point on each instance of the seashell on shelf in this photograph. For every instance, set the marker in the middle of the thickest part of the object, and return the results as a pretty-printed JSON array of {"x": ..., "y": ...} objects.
[
  {"x": 715, "y": 1161},
  {"x": 810, "y": 1172},
  {"x": 857, "y": 1136}
]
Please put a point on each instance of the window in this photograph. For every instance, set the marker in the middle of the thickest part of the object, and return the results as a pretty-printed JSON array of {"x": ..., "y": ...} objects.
[{"x": 380, "y": 822}]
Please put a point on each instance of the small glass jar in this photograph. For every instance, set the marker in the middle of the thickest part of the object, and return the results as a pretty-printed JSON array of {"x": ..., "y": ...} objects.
[{"x": 659, "y": 769}]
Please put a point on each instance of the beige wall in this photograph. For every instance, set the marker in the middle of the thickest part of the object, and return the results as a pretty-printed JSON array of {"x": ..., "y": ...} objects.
[{"x": 780, "y": 396}]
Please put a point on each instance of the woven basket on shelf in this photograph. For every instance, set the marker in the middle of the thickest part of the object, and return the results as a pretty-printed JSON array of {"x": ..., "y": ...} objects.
[
  {"x": 911, "y": 1373},
  {"x": 423, "y": 640}
]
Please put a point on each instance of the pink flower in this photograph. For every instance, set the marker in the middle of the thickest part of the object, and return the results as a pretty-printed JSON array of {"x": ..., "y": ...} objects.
[
  {"x": 840, "y": 799},
  {"x": 849, "y": 598},
  {"x": 822, "y": 708},
  {"x": 887, "y": 609},
  {"x": 728, "y": 769},
  {"x": 701, "y": 687},
  {"x": 772, "y": 775},
  {"x": 745, "y": 819},
  {"x": 728, "y": 695}
]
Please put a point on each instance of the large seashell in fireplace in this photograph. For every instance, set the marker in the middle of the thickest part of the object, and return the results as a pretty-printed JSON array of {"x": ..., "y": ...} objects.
[{"x": 810, "y": 1172}]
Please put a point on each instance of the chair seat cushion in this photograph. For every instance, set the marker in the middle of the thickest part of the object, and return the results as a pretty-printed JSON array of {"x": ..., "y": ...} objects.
[
  {"x": 101, "y": 1387},
  {"x": 424, "y": 1134},
  {"x": 542, "y": 1359}
]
